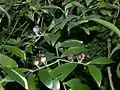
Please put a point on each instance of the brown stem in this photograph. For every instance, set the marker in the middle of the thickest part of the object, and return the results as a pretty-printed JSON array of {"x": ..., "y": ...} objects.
[
  {"x": 109, "y": 68},
  {"x": 110, "y": 78}
]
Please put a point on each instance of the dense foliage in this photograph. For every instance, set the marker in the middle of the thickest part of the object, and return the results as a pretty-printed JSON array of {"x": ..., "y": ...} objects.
[{"x": 59, "y": 44}]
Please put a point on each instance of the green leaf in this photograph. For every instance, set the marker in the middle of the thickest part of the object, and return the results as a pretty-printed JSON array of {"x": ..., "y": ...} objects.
[
  {"x": 73, "y": 50},
  {"x": 78, "y": 4},
  {"x": 62, "y": 71},
  {"x": 96, "y": 74},
  {"x": 1, "y": 87},
  {"x": 51, "y": 7},
  {"x": 63, "y": 23},
  {"x": 75, "y": 84},
  {"x": 88, "y": 2},
  {"x": 106, "y": 12},
  {"x": 86, "y": 30},
  {"x": 30, "y": 15},
  {"x": 54, "y": 38},
  {"x": 118, "y": 70},
  {"x": 107, "y": 24},
  {"x": 72, "y": 24},
  {"x": 15, "y": 50},
  {"x": 46, "y": 78},
  {"x": 12, "y": 41},
  {"x": 31, "y": 82},
  {"x": 6, "y": 61},
  {"x": 72, "y": 43},
  {"x": 101, "y": 60},
  {"x": 50, "y": 56},
  {"x": 17, "y": 77},
  {"x": 8, "y": 16},
  {"x": 56, "y": 85},
  {"x": 115, "y": 49}
]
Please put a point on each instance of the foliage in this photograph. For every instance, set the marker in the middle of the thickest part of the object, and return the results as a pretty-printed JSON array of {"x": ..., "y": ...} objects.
[{"x": 59, "y": 44}]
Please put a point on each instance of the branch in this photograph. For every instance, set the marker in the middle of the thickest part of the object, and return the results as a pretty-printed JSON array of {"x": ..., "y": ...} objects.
[{"x": 109, "y": 68}]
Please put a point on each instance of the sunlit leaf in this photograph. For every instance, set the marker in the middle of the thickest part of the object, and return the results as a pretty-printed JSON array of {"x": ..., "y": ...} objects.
[
  {"x": 15, "y": 50},
  {"x": 6, "y": 61},
  {"x": 56, "y": 85},
  {"x": 72, "y": 43},
  {"x": 62, "y": 71},
  {"x": 46, "y": 78},
  {"x": 96, "y": 74}
]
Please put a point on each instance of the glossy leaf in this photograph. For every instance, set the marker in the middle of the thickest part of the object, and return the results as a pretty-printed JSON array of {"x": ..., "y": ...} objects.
[
  {"x": 17, "y": 77},
  {"x": 15, "y": 50},
  {"x": 6, "y": 61},
  {"x": 107, "y": 24},
  {"x": 72, "y": 43},
  {"x": 31, "y": 82},
  {"x": 56, "y": 85},
  {"x": 46, "y": 78},
  {"x": 101, "y": 60},
  {"x": 96, "y": 74},
  {"x": 62, "y": 71},
  {"x": 75, "y": 84},
  {"x": 73, "y": 50}
]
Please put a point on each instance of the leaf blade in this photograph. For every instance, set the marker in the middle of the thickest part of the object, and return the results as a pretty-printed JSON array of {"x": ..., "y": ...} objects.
[
  {"x": 101, "y": 60},
  {"x": 6, "y": 61},
  {"x": 15, "y": 50},
  {"x": 96, "y": 74},
  {"x": 107, "y": 24}
]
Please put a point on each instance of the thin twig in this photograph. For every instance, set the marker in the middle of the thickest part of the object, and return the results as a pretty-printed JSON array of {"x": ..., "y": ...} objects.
[
  {"x": 25, "y": 29},
  {"x": 64, "y": 86},
  {"x": 12, "y": 30},
  {"x": 36, "y": 40},
  {"x": 55, "y": 63},
  {"x": 21, "y": 26}
]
